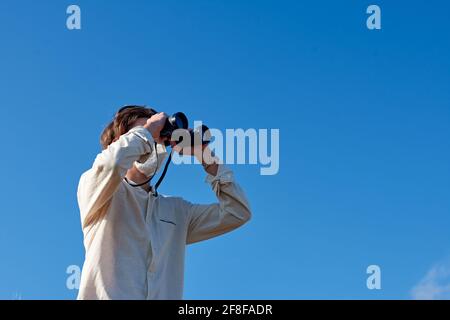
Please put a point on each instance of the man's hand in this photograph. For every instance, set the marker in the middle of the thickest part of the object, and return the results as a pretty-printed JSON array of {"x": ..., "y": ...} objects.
[{"x": 155, "y": 124}]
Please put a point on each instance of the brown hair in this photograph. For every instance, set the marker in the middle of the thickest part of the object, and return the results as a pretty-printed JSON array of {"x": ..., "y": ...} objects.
[{"x": 122, "y": 122}]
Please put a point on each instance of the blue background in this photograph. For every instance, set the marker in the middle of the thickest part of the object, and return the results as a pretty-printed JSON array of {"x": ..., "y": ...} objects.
[{"x": 364, "y": 124}]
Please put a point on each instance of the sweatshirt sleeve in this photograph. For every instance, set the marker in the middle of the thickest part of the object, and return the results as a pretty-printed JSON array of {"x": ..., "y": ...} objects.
[
  {"x": 98, "y": 184},
  {"x": 230, "y": 212}
]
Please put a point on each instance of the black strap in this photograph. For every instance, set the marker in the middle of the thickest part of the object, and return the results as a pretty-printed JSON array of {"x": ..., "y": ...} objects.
[
  {"x": 161, "y": 178},
  {"x": 137, "y": 185},
  {"x": 155, "y": 193}
]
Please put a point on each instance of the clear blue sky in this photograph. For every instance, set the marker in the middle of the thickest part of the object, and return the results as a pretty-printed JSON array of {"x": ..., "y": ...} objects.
[{"x": 363, "y": 116}]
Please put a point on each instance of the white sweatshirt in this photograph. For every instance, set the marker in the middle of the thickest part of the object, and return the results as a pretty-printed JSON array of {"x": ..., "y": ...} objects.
[{"x": 136, "y": 250}]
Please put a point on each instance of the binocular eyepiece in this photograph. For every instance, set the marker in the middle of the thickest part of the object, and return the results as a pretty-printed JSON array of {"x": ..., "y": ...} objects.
[
  {"x": 180, "y": 121},
  {"x": 174, "y": 122}
]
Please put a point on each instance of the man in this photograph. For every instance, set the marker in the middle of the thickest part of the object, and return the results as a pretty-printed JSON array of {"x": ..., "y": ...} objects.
[{"x": 135, "y": 239}]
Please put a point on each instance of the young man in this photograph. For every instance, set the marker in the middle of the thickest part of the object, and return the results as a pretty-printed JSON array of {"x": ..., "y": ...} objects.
[{"x": 135, "y": 240}]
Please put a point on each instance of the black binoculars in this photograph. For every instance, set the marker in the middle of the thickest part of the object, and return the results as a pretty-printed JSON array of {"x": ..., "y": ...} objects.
[{"x": 180, "y": 121}]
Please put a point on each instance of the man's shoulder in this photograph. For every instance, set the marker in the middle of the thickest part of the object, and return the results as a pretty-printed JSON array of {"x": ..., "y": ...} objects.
[{"x": 84, "y": 176}]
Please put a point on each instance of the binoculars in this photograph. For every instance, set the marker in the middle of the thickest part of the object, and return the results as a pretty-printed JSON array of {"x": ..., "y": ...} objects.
[{"x": 180, "y": 121}]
